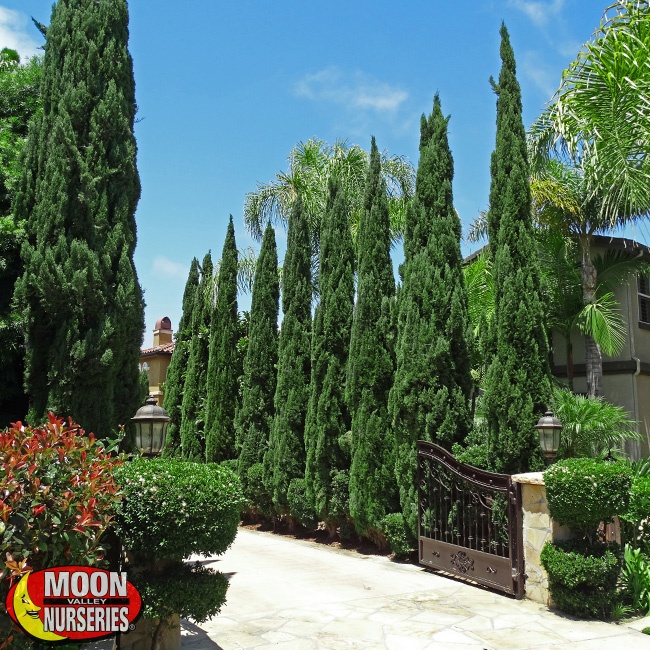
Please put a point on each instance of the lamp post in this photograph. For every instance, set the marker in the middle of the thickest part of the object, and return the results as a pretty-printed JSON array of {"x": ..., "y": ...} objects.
[
  {"x": 549, "y": 429},
  {"x": 151, "y": 423}
]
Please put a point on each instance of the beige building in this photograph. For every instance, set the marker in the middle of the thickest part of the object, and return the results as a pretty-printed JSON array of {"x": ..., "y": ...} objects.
[
  {"x": 626, "y": 377},
  {"x": 155, "y": 360}
]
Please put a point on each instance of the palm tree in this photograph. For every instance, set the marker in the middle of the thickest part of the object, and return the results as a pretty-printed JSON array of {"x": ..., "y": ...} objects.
[
  {"x": 598, "y": 120},
  {"x": 600, "y": 318},
  {"x": 597, "y": 133},
  {"x": 311, "y": 164},
  {"x": 563, "y": 203}
]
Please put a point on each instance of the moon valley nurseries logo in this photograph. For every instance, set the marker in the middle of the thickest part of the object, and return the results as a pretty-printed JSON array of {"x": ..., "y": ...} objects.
[{"x": 73, "y": 603}]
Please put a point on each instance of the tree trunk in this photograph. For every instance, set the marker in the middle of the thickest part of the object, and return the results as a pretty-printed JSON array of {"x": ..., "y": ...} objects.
[{"x": 593, "y": 356}]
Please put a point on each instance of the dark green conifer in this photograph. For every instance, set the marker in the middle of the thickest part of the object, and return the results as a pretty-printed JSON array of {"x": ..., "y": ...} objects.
[
  {"x": 285, "y": 458},
  {"x": 254, "y": 417},
  {"x": 371, "y": 363},
  {"x": 19, "y": 101},
  {"x": 80, "y": 292},
  {"x": 430, "y": 398},
  {"x": 327, "y": 415},
  {"x": 192, "y": 430},
  {"x": 518, "y": 379},
  {"x": 177, "y": 370},
  {"x": 223, "y": 368}
]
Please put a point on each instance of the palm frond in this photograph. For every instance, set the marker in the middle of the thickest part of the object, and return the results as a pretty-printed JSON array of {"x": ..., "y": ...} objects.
[
  {"x": 615, "y": 268},
  {"x": 590, "y": 425},
  {"x": 602, "y": 320},
  {"x": 599, "y": 119},
  {"x": 478, "y": 229},
  {"x": 479, "y": 283}
]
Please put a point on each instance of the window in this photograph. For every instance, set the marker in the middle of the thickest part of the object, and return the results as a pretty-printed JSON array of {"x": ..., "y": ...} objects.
[{"x": 644, "y": 299}]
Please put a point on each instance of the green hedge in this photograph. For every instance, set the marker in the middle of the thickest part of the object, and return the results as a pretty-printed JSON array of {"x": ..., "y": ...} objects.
[
  {"x": 582, "y": 580},
  {"x": 174, "y": 508},
  {"x": 191, "y": 591},
  {"x": 582, "y": 492}
]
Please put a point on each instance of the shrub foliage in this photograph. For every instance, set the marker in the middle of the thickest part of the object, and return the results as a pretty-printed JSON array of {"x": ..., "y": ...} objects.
[{"x": 174, "y": 508}]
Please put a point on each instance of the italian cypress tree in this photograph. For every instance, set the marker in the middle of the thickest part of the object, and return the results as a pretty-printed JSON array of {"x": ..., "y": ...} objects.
[
  {"x": 223, "y": 371},
  {"x": 430, "y": 398},
  {"x": 285, "y": 458},
  {"x": 327, "y": 414},
  {"x": 19, "y": 101},
  {"x": 176, "y": 372},
  {"x": 518, "y": 378},
  {"x": 192, "y": 431},
  {"x": 372, "y": 362},
  {"x": 79, "y": 190},
  {"x": 254, "y": 418}
]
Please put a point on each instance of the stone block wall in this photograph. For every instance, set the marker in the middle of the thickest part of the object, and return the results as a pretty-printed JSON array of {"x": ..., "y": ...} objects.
[{"x": 539, "y": 528}]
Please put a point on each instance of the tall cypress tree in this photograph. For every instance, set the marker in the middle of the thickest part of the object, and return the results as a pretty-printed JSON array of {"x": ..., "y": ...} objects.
[
  {"x": 327, "y": 414},
  {"x": 430, "y": 398},
  {"x": 285, "y": 458},
  {"x": 223, "y": 371},
  {"x": 80, "y": 292},
  {"x": 254, "y": 418},
  {"x": 518, "y": 379},
  {"x": 192, "y": 431},
  {"x": 19, "y": 101},
  {"x": 372, "y": 362},
  {"x": 176, "y": 372}
]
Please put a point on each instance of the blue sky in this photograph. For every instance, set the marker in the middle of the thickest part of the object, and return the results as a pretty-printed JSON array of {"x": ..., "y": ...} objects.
[{"x": 225, "y": 89}]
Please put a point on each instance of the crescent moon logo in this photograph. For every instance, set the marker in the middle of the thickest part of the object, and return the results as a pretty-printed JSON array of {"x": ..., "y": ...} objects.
[
  {"x": 27, "y": 613},
  {"x": 73, "y": 603}
]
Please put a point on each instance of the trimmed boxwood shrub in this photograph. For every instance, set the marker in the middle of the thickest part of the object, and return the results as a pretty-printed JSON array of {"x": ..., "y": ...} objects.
[
  {"x": 582, "y": 580},
  {"x": 174, "y": 508},
  {"x": 635, "y": 524},
  {"x": 191, "y": 591},
  {"x": 260, "y": 502},
  {"x": 582, "y": 492},
  {"x": 300, "y": 507},
  {"x": 397, "y": 534}
]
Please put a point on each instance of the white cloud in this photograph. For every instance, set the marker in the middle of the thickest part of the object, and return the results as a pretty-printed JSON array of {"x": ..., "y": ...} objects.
[
  {"x": 169, "y": 269},
  {"x": 541, "y": 75},
  {"x": 356, "y": 91},
  {"x": 14, "y": 35},
  {"x": 539, "y": 12}
]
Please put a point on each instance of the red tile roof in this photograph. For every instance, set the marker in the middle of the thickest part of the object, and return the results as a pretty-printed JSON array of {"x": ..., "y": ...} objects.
[{"x": 165, "y": 348}]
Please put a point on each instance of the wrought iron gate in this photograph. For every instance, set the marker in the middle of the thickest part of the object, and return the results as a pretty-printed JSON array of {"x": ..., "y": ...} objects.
[{"x": 469, "y": 521}]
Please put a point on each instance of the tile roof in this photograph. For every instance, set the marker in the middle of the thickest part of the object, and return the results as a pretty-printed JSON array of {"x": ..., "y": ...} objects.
[{"x": 165, "y": 348}]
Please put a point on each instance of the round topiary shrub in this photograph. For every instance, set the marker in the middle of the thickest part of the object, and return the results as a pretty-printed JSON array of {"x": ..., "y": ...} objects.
[
  {"x": 397, "y": 534},
  {"x": 174, "y": 508},
  {"x": 189, "y": 591},
  {"x": 582, "y": 492},
  {"x": 582, "y": 583},
  {"x": 299, "y": 506}
]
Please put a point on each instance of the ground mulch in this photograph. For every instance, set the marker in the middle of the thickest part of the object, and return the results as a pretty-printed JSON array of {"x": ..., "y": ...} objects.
[{"x": 321, "y": 536}]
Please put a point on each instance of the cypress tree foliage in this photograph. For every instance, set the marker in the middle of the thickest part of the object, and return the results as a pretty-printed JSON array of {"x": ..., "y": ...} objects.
[
  {"x": 372, "y": 362},
  {"x": 327, "y": 414},
  {"x": 223, "y": 368},
  {"x": 285, "y": 458},
  {"x": 192, "y": 429},
  {"x": 430, "y": 398},
  {"x": 518, "y": 378},
  {"x": 80, "y": 293},
  {"x": 254, "y": 417},
  {"x": 19, "y": 101},
  {"x": 176, "y": 372}
]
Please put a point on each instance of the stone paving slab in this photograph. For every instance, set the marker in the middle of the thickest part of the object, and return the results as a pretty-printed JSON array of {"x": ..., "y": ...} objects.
[{"x": 293, "y": 595}]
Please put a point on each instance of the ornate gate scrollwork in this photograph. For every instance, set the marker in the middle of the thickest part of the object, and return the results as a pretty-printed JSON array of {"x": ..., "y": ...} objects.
[{"x": 469, "y": 521}]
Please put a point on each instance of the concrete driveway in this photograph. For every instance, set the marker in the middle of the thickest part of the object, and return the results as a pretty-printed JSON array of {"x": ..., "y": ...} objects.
[{"x": 290, "y": 594}]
